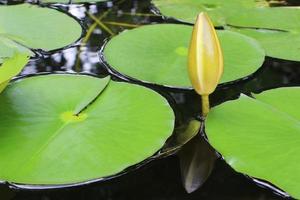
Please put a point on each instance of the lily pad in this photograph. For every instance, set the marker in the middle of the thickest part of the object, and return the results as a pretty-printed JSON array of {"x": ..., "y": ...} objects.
[
  {"x": 187, "y": 10},
  {"x": 11, "y": 67},
  {"x": 158, "y": 54},
  {"x": 277, "y": 18},
  {"x": 277, "y": 44},
  {"x": 277, "y": 29},
  {"x": 9, "y": 48},
  {"x": 37, "y": 27},
  {"x": 256, "y": 134},
  {"x": 271, "y": 26},
  {"x": 67, "y": 129}
]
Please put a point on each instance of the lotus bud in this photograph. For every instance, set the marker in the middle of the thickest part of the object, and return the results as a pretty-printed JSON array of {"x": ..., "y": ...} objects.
[{"x": 205, "y": 59}]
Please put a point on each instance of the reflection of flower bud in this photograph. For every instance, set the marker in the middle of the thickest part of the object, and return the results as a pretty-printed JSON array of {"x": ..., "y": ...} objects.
[{"x": 205, "y": 63}]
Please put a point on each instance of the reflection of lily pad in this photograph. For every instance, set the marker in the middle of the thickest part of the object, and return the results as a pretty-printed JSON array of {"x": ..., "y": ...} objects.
[
  {"x": 36, "y": 27},
  {"x": 254, "y": 135},
  {"x": 10, "y": 68},
  {"x": 158, "y": 54},
  {"x": 64, "y": 129},
  {"x": 257, "y": 16}
]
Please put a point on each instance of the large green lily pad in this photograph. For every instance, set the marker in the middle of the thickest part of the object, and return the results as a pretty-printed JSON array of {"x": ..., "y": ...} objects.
[
  {"x": 256, "y": 134},
  {"x": 35, "y": 27},
  {"x": 158, "y": 54},
  {"x": 276, "y": 28},
  {"x": 65, "y": 129}
]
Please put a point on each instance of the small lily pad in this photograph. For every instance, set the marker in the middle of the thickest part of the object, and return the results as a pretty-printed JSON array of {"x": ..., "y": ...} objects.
[
  {"x": 9, "y": 48},
  {"x": 158, "y": 54},
  {"x": 187, "y": 10},
  {"x": 277, "y": 18},
  {"x": 277, "y": 29},
  {"x": 10, "y": 68},
  {"x": 33, "y": 27},
  {"x": 256, "y": 134},
  {"x": 277, "y": 44},
  {"x": 67, "y": 129}
]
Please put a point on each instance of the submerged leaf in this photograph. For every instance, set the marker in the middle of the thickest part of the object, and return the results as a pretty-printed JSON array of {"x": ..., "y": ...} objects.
[
  {"x": 256, "y": 134},
  {"x": 88, "y": 129}
]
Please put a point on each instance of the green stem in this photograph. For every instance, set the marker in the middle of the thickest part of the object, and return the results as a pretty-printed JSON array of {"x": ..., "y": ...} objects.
[
  {"x": 205, "y": 105},
  {"x": 140, "y": 14},
  {"x": 86, "y": 39},
  {"x": 103, "y": 26},
  {"x": 121, "y": 24}
]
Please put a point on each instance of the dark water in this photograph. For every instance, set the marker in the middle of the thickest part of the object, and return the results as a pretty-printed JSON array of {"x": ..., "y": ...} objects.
[{"x": 159, "y": 180}]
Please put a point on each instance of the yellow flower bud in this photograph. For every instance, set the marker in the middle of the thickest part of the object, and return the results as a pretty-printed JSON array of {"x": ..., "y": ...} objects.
[{"x": 205, "y": 59}]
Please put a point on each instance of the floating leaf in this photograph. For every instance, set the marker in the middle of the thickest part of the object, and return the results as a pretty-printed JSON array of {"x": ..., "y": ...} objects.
[
  {"x": 8, "y": 48},
  {"x": 36, "y": 27},
  {"x": 66, "y": 129},
  {"x": 187, "y": 10},
  {"x": 256, "y": 134},
  {"x": 278, "y": 44},
  {"x": 158, "y": 54},
  {"x": 11, "y": 67},
  {"x": 271, "y": 26},
  {"x": 278, "y": 18},
  {"x": 277, "y": 29}
]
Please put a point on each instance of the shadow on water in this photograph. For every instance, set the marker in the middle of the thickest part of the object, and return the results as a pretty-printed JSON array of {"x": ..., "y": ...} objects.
[{"x": 159, "y": 180}]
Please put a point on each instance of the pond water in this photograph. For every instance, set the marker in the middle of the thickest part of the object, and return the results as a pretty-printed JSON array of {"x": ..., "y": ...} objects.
[{"x": 160, "y": 180}]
